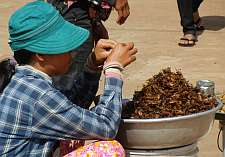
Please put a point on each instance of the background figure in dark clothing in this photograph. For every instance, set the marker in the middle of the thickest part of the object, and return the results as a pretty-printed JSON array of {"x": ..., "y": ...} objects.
[
  {"x": 190, "y": 20},
  {"x": 81, "y": 13},
  {"x": 77, "y": 12}
]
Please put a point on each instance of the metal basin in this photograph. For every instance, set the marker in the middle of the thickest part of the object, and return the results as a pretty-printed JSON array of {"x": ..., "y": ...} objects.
[{"x": 165, "y": 132}]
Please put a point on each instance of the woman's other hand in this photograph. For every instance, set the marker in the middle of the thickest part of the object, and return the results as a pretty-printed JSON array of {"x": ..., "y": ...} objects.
[{"x": 122, "y": 53}]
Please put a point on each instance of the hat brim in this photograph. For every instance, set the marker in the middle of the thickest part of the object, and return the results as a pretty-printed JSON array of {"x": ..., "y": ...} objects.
[{"x": 62, "y": 40}]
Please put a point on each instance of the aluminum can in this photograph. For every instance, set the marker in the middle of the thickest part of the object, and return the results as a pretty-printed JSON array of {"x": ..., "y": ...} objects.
[{"x": 206, "y": 86}]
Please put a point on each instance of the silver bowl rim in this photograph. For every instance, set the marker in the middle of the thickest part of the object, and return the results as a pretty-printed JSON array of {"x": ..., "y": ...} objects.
[{"x": 171, "y": 119}]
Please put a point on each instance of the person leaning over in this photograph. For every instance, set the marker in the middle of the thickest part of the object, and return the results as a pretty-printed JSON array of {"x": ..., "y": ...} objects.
[
  {"x": 34, "y": 115},
  {"x": 87, "y": 14}
]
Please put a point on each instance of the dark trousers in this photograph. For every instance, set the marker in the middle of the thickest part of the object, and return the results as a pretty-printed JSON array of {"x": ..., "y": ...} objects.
[{"x": 186, "y": 10}]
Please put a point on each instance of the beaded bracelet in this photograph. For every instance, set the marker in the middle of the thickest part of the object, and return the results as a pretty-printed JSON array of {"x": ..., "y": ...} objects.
[{"x": 114, "y": 64}]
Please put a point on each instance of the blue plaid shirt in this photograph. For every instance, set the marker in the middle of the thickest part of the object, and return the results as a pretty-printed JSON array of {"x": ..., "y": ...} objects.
[{"x": 34, "y": 115}]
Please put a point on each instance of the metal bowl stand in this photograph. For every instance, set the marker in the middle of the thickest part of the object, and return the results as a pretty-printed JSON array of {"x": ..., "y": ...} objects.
[{"x": 184, "y": 151}]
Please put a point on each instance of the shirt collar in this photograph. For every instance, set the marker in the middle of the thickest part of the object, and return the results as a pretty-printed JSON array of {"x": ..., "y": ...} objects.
[{"x": 31, "y": 71}]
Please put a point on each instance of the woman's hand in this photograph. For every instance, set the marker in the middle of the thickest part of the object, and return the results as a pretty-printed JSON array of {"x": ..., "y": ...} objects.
[
  {"x": 102, "y": 51},
  {"x": 122, "y": 53}
]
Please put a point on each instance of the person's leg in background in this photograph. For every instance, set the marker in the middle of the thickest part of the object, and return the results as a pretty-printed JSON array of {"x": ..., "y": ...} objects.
[
  {"x": 197, "y": 18},
  {"x": 187, "y": 21}
]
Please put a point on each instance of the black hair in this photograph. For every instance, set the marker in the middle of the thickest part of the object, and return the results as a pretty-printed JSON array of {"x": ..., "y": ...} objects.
[
  {"x": 7, "y": 67},
  {"x": 23, "y": 57}
]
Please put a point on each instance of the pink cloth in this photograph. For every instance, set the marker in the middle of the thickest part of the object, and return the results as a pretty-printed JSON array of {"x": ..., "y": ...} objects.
[{"x": 97, "y": 149}]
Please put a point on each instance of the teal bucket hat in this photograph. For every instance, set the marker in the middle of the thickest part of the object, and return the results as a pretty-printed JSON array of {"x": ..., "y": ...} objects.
[{"x": 38, "y": 27}]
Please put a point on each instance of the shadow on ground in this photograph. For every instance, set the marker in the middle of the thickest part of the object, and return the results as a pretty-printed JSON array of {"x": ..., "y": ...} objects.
[{"x": 214, "y": 23}]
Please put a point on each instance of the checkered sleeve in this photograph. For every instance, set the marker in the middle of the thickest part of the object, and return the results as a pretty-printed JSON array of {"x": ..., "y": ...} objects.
[{"x": 58, "y": 118}]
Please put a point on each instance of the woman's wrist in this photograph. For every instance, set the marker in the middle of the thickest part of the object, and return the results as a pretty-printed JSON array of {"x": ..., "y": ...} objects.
[
  {"x": 113, "y": 69},
  {"x": 113, "y": 72},
  {"x": 113, "y": 64}
]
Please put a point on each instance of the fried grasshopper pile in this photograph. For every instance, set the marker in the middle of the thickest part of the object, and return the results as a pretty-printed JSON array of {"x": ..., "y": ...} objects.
[{"x": 167, "y": 94}]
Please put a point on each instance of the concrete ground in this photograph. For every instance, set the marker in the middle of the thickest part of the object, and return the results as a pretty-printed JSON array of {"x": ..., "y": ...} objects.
[{"x": 155, "y": 29}]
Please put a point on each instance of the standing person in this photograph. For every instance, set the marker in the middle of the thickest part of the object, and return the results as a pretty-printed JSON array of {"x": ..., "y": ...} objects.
[
  {"x": 190, "y": 21},
  {"x": 80, "y": 13},
  {"x": 87, "y": 14},
  {"x": 34, "y": 115}
]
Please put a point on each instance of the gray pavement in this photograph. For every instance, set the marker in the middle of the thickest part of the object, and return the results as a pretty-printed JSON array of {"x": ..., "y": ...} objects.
[{"x": 155, "y": 29}]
